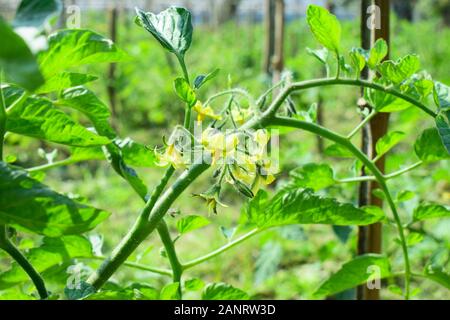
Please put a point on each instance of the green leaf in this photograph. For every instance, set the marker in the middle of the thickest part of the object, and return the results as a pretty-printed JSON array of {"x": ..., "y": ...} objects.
[
  {"x": 202, "y": 79},
  {"x": 355, "y": 272},
  {"x": 85, "y": 101},
  {"x": 388, "y": 141},
  {"x": 171, "y": 27},
  {"x": 133, "y": 292},
  {"x": 223, "y": 291},
  {"x": 405, "y": 195},
  {"x": 378, "y": 52},
  {"x": 414, "y": 238},
  {"x": 194, "y": 284},
  {"x": 170, "y": 292},
  {"x": 184, "y": 91},
  {"x": 268, "y": 261},
  {"x": 427, "y": 211},
  {"x": 77, "y": 47},
  {"x": 338, "y": 151},
  {"x": 38, "y": 118},
  {"x": 17, "y": 61},
  {"x": 357, "y": 59},
  {"x": 429, "y": 147},
  {"x": 400, "y": 70},
  {"x": 52, "y": 252},
  {"x": 319, "y": 54},
  {"x": 443, "y": 127},
  {"x": 314, "y": 176},
  {"x": 325, "y": 27},
  {"x": 65, "y": 80},
  {"x": 35, "y": 13},
  {"x": 384, "y": 102},
  {"x": 31, "y": 206},
  {"x": 191, "y": 223},
  {"x": 441, "y": 94},
  {"x": 136, "y": 154},
  {"x": 296, "y": 206},
  {"x": 82, "y": 290},
  {"x": 438, "y": 275}
]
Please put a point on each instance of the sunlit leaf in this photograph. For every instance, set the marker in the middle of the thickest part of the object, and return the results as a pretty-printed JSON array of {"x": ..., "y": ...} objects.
[
  {"x": 223, "y": 291},
  {"x": 400, "y": 70},
  {"x": 325, "y": 27},
  {"x": 65, "y": 80},
  {"x": 388, "y": 141},
  {"x": 297, "y": 206},
  {"x": 184, "y": 91},
  {"x": 191, "y": 223},
  {"x": 429, "y": 147},
  {"x": 171, "y": 27},
  {"x": 17, "y": 61},
  {"x": 355, "y": 272},
  {"x": 427, "y": 211},
  {"x": 170, "y": 292},
  {"x": 314, "y": 176},
  {"x": 31, "y": 206},
  {"x": 377, "y": 53}
]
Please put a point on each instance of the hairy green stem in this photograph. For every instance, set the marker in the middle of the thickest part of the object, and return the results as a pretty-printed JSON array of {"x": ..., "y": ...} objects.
[
  {"x": 11, "y": 249},
  {"x": 356, "y": 179},
  {"x": 403, "y": 171},
  {"x": 52, "y": 165},
  {"x": 362, "y": 124},
  {"x": 139, "y": 266},
  {"x": 143, "y": 227},
  {"x": 220, "y": 250},
  {"x": 323, "y": 132}
]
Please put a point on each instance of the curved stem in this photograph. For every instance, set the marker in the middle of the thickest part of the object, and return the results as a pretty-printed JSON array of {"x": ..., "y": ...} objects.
[
  {"x": 220, "y": 250},
  {"x": 52, "y": 165},
  {"x": 177, "y": 269},
  {"x": 356, "y": 179},
  {"x": 362, "y": 124},
  {"x": 323, "y": 132},
  {"x": 11, "y": 249},
  {"x": 402, "y": 171},
  {"x": 230, "y": 92},
  {"x": 348, "y": 82},
  {"x": 139, "y": 266}
]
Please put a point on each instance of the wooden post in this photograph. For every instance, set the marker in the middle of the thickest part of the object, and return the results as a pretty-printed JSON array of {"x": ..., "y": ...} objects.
[
  {"x": 278, "y": 56},
  {"x": 364, "y": 187},
  {"x": 269, "y": 45},
  {"x": 371, "y": 238},
  {"x": 112, "y": 93}
]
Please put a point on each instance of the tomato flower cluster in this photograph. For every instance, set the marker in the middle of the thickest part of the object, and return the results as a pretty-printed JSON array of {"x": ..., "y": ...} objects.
[{"x": 239, "y": 156}]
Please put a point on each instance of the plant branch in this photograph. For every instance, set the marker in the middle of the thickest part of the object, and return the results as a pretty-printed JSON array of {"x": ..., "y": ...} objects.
[
  {"x": 11, "y": 249},
  {"x": 362, "y": 124},
  {"x": 402, "y": 171},
  {"x": 139, "y": 266},
  {"x": 220, "y": 250}
]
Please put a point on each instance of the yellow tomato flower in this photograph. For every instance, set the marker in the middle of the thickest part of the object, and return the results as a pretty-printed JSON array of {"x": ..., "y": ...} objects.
[
  {"x": 206, "y": 111},
  {"x": 239, "y": 116},
  {"x": 219, "y": 144},
  {"x": 171, "y": 156}
]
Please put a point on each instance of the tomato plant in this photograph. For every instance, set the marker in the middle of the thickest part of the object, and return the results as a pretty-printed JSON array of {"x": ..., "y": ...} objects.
[{"x": 38, "y": 86}]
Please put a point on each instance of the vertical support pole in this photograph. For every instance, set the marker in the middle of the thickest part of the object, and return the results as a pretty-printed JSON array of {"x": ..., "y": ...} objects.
[
  {"x": 278, "y": 57},
  {"x": 378, "y": 127},
  {"x": 112, "y": 93},
  {"x": 269, "y": 44}
]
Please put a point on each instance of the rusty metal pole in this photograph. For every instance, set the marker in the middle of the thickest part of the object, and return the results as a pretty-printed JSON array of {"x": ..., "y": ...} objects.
[{"x": 278, "y": 56}]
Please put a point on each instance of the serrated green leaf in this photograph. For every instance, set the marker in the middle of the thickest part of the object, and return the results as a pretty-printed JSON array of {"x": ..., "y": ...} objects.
[
  {"x": 314, "y": 176},
  {"x": 356, "y": 272},
  {"x": 191, "y": 223},
  {"x": 133, "y": 292},
  {"x": 338, "y": 151},
  {"x": 438, "y": 275},
  {"x": 35, "y": 13},
  {"x": 429, "y": 147},
  {"x": 202, "y": 79},
  {"x": 171, "y": 27},
  {"x": 223, "y": 291},
  {"x": 441, "y": 95},
  {"x": 384, "y": 102},
  {"x": 296, "y": 206},
  {"x": 400, "y": 70},
  {"x": 184, "y": 91},
  {"x": 17, "y": 61},
  {"x": 357, "y": 59},
  {"x": 194, "y": 284},
  {"x": 77, "y": 47},
  {"x": 38, "y": 118},
  {"x": 268, "y": 261},
  {"x": 65, "y": 80},
  {"x": 377, "y": 53},
  {"x": 388, "y": 141},
  {"x": 325, "y": 27},
  {"x": 427, "y": 211},
  {"x": 443, "y": 127},
  {"x": 31, "y": 206},
  {"x": 52, "y": 252},
  {"x": 170, "y": 292},
  {"x": 136, "y": 154}
]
